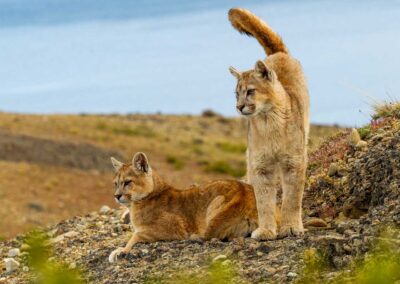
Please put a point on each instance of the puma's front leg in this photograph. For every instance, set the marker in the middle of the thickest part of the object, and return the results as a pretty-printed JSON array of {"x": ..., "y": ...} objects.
[
  {"x": 293, "y": 181},
  {"x": 264, "y": 185},
  {"x": 136, "y": 238}
]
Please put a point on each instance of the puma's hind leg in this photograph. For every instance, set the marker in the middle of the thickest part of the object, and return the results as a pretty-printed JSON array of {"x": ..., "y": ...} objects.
[{"x": 224, "y": 220}]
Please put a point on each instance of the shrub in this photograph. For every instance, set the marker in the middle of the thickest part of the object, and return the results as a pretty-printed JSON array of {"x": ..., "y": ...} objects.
[
  {"x": 223, "y": 167},
  {"x": 175, "y": 161},
  {"x": 365, "y": 132},
  {"x": 232, "y": 147}
]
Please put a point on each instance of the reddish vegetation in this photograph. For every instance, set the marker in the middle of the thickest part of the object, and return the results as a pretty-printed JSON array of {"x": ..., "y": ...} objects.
[{"x": 331, "y": 150}]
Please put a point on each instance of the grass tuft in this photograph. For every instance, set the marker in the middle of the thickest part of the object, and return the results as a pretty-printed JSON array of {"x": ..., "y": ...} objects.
[
  {"x": 46, "y": 271},
  {"x": 176, "y": 162},
  {"x": 232, "y": 147},
  {"x": 223, "y": 167},
  {"x": 386, "y": 109},
  {"x": 219, "y": 272}
]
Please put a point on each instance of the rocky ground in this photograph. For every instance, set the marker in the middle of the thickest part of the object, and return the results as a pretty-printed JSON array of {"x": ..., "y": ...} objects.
[{"x": 353, "y": 194}]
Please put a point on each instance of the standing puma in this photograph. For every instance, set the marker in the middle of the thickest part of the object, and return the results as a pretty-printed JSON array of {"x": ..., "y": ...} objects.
[{"x": 274, "y": 98}]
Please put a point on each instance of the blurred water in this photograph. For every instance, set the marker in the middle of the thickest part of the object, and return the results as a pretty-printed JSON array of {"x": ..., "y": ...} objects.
[{"x": 145, "y": 56}]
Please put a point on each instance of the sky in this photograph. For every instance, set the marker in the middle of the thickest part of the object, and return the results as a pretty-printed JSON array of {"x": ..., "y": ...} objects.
[{"x": 172, "y": 56}]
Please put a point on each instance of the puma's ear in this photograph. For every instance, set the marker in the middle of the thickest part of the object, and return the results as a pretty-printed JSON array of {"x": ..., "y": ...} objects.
[
  {"x": 116, "y": 164},
  {"x": 263, "y": 70},
  {"x": 234, "y": 72},
  {"x": 140, "y": 163}
]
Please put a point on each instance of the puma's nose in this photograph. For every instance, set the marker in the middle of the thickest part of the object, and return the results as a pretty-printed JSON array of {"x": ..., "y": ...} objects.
[
  {"x": 118, "y": 196},
  {"x": 240, "y": 107}
]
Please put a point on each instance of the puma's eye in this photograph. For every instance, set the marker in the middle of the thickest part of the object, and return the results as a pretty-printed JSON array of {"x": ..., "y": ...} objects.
[
  {"x": 115, "y": 184},
  {"x": 127, "y": 182},
  {"x": 250, "y": 92},
  {"x": 237, "y": 94}
]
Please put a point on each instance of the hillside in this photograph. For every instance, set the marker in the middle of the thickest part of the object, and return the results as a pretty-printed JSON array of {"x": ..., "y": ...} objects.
[
  {"x": 351, "y": 211},
  {"x": 57, "y": 166}
]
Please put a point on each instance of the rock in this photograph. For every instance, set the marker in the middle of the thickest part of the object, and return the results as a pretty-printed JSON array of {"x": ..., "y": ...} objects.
[
  {"x": 333, "y": 169},
  {"x": 104, "y": 209},
  {"x": 361, "y": 145},
  {"x": 61, "y": 238},
  {"x": 25, "y": 247},
  {"x": 291, "y": 275},
  {"x": 226, "y": 262},
  {"x": 35, "y": 206},
  {"x": 25, "y": 269},
  {"x": 316, "y": 222},
  {"x": 11, "y": 264},
  {"x": 354, "y": 137},
  {"x": 14, "y": 252}
]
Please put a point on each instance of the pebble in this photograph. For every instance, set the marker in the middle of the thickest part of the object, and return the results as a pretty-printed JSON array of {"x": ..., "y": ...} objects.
[
  {"x": 104, "y": 209},
  {"x": 220, "y": 257},
  {"x": 25, "y": 269},
  {"x": 316, "y": 222},
  {"x": 25, "y": 247},
  {"x": 361, "y": 145},
  {"x": 292, "y": 275},
  {"x": 11, "y": 264},
  {"x": 14, "y": 252},
  {"x": 354, "y": 137},
  {"x": 226, "y": 262},
  {"x": 72, "y": 265},
  {"x": 61, "y": 238},
  {"x": 333, "y": 169}
]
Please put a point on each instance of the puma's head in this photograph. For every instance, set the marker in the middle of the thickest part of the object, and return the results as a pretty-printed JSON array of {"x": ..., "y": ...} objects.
[
  {"x": 132, "y": 182},
  {"x": 256, "y": 90}
]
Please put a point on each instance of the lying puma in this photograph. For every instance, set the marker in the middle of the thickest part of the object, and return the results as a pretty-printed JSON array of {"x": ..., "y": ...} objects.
[{"x": 222, "y": 209}]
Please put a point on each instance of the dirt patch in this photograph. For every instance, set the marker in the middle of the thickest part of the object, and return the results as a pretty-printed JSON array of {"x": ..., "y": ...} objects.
[{"x": 23, "y": 148}]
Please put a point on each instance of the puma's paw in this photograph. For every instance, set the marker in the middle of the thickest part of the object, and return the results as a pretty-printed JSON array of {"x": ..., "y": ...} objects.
[
  {"x": 125, "y": 217},
  {"x": 262, "y": 234},
  {"x": 113, "y": 257},
  {"x": 287, "y": 231}
]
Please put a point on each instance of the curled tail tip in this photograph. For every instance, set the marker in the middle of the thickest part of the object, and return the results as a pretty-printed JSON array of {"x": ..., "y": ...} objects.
[{"x": 247, "y": 23}]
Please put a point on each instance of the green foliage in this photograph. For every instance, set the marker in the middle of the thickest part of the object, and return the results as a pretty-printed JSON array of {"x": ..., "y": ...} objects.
[
  {"x": 48, "y": 272},
  {"x": 223, "y": 167},
  {"x": 365, "y": 132},
  {"x": 232, "y": 147},
  {"x": 314, "y": 264},
  {"x": 139, "y": 130},
  {"x": 381, "y": 265},
  {"x": 175, "y": 161}
]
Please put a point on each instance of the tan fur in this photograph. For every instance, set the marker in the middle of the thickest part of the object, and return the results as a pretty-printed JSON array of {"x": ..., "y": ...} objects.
[
  {"x": 222, "y": 209},
  {"x": 274, "y": 98}
]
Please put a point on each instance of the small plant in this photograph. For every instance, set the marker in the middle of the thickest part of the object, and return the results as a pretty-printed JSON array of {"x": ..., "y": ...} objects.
[
  {"x": 365, "y": 132},
  {"x": 232, "y": 147},
  {"x": 386, "y": 109},
  {"x": 176, "y": 162},
  {"x": 219, "y": 272},
  {"x": 314, "y": 264},
  {"x": 381, "y": 265},
  {"x": 223, "y": 167},
  {"x": 46, "y": 271},
  {"x": 134, "y": 131}
]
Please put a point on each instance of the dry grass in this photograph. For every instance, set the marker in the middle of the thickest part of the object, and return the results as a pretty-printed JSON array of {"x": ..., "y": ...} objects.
[
  {"x": 386, "y": 109},
  {"x": 183, "y": 149}
]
